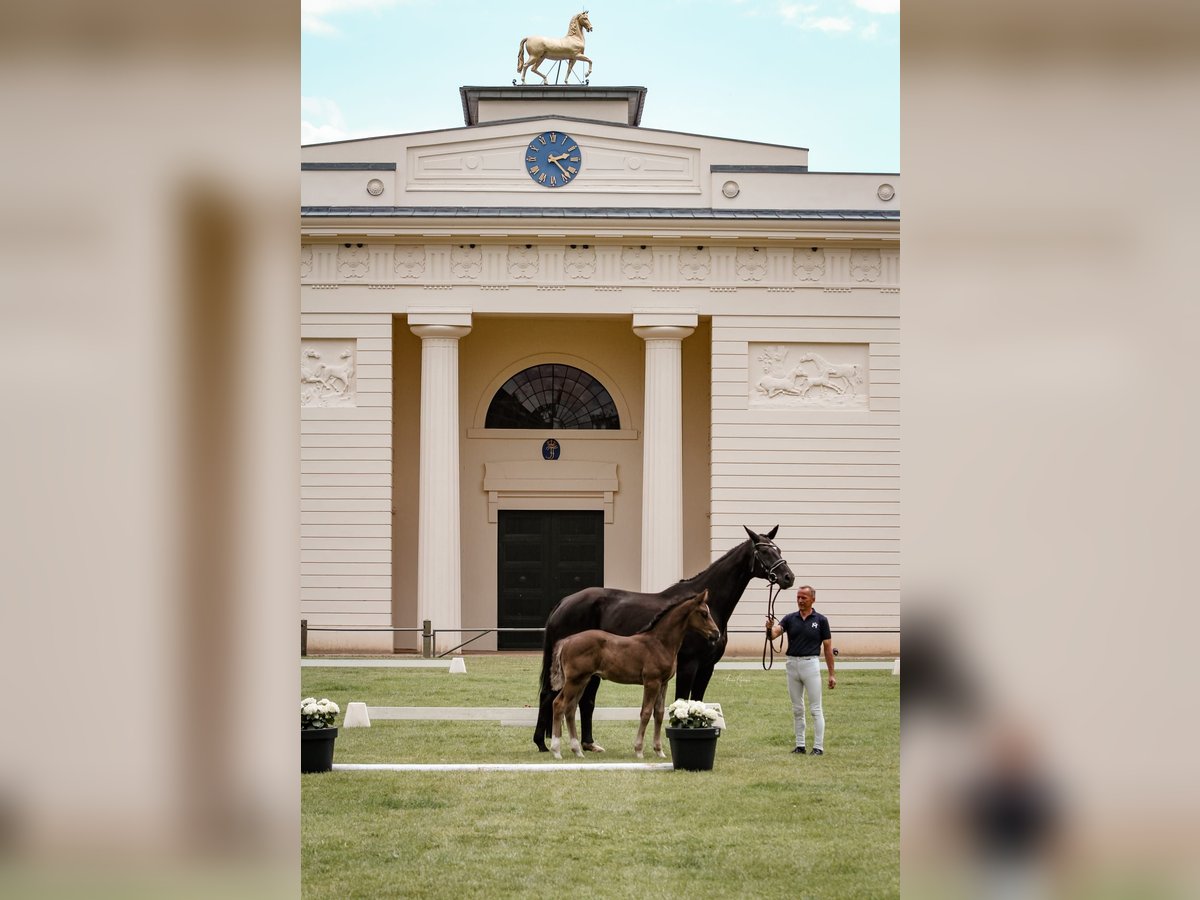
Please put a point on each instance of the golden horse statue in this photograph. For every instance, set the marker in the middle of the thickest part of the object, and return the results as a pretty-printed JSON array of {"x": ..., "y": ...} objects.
[{"x": 569, "y": 47}]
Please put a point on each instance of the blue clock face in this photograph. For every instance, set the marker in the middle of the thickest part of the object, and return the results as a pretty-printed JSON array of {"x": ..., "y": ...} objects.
[{"x": 553, "y": 159}]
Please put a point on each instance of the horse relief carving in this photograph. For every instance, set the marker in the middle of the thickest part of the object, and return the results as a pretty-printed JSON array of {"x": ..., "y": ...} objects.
[
  {"x": 808, "y": 264},
  {"x": 306, "y": 261},
  {"x": 695, "y": 263},
  {"x": 323, "y": 384},
  {"x": 353, "y": 260},
  {"x": 808, "y": 379},
  {"x": 466, "y": 261},
  {"x": 409, "y": 261},
  {"x": 580, "y": 262},
  {"x": 522, "y": 261},
  {"x": 637, "y": 262},
  {"x": 569, "y": 47},
  {"x": 865, "y": 265},
  {"x": 751, "y": 264}
]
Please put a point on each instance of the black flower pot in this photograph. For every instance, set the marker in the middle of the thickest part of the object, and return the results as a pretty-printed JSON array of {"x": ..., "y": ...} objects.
[
  {"x": 316, "y": 749},
  {"x": 693, "y": 749}
]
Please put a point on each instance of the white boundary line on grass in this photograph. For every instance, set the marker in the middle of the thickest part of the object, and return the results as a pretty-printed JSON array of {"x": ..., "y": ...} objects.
[{"x": 501, "y": 767}]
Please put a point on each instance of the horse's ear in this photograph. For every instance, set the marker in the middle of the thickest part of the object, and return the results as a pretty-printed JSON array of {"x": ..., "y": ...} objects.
[
  {"x": 771, "y": 533},
  {"x": 753, "y": 536},
  {"x": 703, "y": 595}
]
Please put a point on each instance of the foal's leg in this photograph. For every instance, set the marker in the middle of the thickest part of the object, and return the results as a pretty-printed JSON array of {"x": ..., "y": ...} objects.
[
  {"x": 572, "y": 694},
  {"x": 556, "y": 728},
  {"x": 659, "y": 709},
  {"x": 649, "y": 700},
  {"x": 586, "y": 705}
]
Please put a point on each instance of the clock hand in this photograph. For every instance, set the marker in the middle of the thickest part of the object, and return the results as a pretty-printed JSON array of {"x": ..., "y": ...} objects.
[{"x": 555, "y": 160}]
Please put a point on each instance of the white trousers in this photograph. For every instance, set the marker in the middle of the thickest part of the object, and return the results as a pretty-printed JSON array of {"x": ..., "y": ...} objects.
[{"x": 804, "y": 675}]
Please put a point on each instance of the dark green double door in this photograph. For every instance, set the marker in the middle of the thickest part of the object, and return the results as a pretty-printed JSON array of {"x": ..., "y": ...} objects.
[{"x": 543, "y": 556}]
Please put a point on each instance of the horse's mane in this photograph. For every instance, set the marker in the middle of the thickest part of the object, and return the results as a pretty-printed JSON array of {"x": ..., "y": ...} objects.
[
  {"x": 666, "y": 609},
  {"x": 728, "y": 553}
]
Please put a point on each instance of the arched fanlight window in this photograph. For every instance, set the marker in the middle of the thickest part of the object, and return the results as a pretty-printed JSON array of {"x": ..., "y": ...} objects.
[{"x": 552, "y": 395}]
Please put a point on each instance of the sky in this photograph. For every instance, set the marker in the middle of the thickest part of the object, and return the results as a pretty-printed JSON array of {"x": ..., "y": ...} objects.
[{"x": 824, "y": 75}]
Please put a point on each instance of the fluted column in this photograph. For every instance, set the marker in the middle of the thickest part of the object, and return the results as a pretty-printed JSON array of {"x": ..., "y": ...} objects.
[
  {"x": 439, "y": 556},
  {"x": 662, "y": 448}
]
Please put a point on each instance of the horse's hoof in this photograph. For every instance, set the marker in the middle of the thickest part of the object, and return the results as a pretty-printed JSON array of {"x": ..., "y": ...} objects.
[
  {"x": 594, "y": 747},
  {"x": 542, "y": 748},
  {"x": 660, "y": 754},
  {"x": 639, "y": 755},
  {"x": 558, "y": 756}
]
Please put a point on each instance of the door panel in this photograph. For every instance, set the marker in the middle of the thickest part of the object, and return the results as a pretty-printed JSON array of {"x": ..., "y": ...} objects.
[{"x": 543, "y": 556}]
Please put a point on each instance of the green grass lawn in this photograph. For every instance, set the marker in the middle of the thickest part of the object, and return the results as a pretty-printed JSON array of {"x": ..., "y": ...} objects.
[{"x": 763, "y": 823}]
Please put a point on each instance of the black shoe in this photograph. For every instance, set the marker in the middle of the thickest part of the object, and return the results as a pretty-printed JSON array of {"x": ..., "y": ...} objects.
[
  {"x": 817, "y": 751},
  {"x": 800, "y": 750}
]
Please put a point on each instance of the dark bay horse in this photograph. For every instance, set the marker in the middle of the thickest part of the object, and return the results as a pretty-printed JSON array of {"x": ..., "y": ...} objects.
[
  {"x": 646, "y": 658},
  {"x": 628, "y": 612}
]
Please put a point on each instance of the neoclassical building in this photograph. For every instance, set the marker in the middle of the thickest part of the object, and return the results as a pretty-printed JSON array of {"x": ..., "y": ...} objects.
[{"x": 551, "y": 348}]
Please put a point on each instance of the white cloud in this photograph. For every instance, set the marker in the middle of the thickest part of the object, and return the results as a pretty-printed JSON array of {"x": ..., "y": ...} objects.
[
  {"x": 879, "y": 6},
  {"x": 321, "y": 120},
  {"x": 829, "y": 23},
  {"x": 314, "y": 14},
  {"x": 870, "y": 32}
]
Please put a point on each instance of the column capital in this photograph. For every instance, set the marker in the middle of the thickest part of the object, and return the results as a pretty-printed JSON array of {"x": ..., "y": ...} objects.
[
  {"x": 662, "y": 332},
  {"x": 440, "y": 331},
  {"x": 681, "y": 318},
  {"x": 439, "y": 316}
]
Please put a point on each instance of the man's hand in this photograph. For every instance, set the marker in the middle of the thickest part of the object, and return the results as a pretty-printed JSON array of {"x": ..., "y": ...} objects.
[{"x": 832, "y": 682}]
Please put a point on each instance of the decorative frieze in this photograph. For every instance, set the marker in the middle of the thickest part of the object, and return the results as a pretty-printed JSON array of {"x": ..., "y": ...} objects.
[
  {"x": 580, "y": 261},
  {"x": 751, "y": 263},
  {"x": 353, "y": 261},
  {"x": 637, "y": 262},
  {"x": 808, "y": 264},
  {"x": 827, "y": 376},
  {"x": 865, "y": 265},
  {"x": 523, "y": 261},
  {"x": 466, "y": 260},
  {"x": 695, "y": 263},
  {"x": 409, "y": 261},
  {"x": 832, "y": 268},
  {"x": 327, "y": 373}
]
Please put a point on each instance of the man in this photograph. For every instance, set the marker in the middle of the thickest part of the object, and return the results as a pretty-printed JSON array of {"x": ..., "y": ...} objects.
[{"x": 808, "y": 634}]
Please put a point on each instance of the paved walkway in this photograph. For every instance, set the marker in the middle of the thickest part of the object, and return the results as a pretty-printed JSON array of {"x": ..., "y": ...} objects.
[{"x": 553, "y": 766}]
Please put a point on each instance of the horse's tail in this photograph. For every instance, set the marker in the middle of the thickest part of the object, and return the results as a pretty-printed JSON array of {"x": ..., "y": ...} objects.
[
  {"x": 556, "y": 670},
  {"x": 521, "y": 55}
]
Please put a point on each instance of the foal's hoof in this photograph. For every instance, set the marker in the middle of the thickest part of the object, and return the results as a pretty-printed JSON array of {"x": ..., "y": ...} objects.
[{"x": 594, "y": 747}]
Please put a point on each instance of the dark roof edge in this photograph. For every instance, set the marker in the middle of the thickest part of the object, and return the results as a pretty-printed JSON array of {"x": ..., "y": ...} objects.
[
  {"x": 516, "y": 212},
  {"x": 347, "y": 166},
  {"x": 783, "y": 170}
]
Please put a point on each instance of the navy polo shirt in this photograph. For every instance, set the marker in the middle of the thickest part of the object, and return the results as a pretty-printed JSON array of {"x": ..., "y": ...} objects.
[{"x": 805, "y": 635}]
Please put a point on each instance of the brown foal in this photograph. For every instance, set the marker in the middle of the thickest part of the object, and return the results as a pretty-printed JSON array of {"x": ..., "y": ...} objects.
[{"x": 646, "y": 658}]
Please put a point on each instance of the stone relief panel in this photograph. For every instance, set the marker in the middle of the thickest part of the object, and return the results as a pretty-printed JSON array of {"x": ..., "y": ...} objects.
[
  {"x": 523, "y": 260},
  {"x": 580, "y": 261},
  {"x": 865, "y": 265},
  {"x": 808, "y": 264},
  {"x": 409, "y": 261},
  {"x": 466, "y": 260},
  {"x": 637, "y": 262},
  {"x": 695, "y": 263},
  {"x": 327, "y": 372},
  {"x": 353, "y": 260},
  {"x": 810, "y": 375},
  {"x": 751, "y": 263},
  {"x": 306, "y": 260}
]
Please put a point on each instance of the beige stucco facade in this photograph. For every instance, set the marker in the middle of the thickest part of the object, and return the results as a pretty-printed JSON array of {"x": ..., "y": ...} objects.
[{"x": 752, "y": 304}]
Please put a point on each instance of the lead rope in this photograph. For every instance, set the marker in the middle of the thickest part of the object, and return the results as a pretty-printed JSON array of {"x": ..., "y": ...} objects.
[{"x": 773, "y": 590}]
